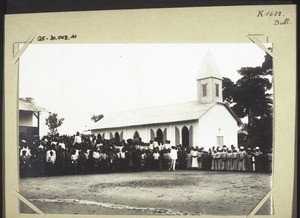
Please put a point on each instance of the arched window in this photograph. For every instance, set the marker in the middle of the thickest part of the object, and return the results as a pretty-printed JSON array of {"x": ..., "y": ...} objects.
[
  {"x": 111, "y": 135},
  {"x": 177, "y": 136},
  {"x": 159, "y": 135},
  {"x": 217, "y": 90},
  {"x": 165, "y": 135},
  {"x": 136, "y": 136},
  {"x": 117, "y": 137},
  {"x": 185, "y": 136},
  {"x": 204, "y": 90},
  {"x": 191, "y": 135},
  {"x": 152, "y": 134},
  {"x": 121, "y": 136}
]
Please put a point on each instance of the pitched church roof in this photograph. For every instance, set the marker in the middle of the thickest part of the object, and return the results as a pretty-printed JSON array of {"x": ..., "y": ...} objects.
[
  {"x": 157, "y": 114},
  {"x": 209, "y": 68}
]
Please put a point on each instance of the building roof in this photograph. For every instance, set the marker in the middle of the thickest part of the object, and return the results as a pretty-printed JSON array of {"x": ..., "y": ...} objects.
[
  {"x": 26, "y": 106},
  {"x": 209, "y": 68},
  {"x": 154, "y": 115}
]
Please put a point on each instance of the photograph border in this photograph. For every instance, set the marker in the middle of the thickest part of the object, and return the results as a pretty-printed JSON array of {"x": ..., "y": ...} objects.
[{"x": 176, "y": 25}]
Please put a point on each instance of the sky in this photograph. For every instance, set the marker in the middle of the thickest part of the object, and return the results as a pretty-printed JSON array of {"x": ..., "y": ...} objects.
[{"x": 80, "y": 80}]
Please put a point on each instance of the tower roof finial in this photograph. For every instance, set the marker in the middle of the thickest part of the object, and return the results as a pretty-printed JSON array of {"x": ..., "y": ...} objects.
[{"x": 209, "y": 68}]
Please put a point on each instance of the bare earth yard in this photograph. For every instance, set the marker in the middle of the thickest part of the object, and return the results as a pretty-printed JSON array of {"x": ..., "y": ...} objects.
[{"x": 146, "y": 193}]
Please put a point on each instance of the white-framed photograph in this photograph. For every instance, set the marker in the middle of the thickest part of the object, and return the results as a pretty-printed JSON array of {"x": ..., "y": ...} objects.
[{"x": 180, "y": 122}]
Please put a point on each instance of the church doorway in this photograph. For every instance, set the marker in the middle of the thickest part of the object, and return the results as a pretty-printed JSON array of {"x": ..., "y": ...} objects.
[
  {"x": 117, "y": 137},
  {"x": 97, "y": 139},
  {"x": 159, "y": 136},
  {"x": 185, "y": 136}
]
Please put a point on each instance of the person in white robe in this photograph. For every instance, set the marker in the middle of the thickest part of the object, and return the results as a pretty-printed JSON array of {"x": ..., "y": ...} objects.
[
  {"x": 174, "y": 156},
  {"x": 194, "y": 155}
]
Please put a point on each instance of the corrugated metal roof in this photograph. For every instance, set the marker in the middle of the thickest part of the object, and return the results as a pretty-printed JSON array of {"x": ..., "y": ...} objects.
[
  {"x": 151, "y": 115},
  {"x": 26, "y": 106},
  {"x": 209, "y": 68}
]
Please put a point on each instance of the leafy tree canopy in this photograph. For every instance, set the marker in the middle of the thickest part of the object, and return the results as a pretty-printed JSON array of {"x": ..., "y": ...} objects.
[
  {"x": 250, "y": 98},
  {"x": 53, "y": 122},
  {"x": 28, "y": 100},
  {"x": 96, "y": 118}
]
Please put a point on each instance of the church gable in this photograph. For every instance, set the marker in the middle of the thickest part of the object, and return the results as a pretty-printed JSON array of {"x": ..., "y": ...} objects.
[
  {"x": 221, "y": 113},
  {"x": 217, "y": 127}
]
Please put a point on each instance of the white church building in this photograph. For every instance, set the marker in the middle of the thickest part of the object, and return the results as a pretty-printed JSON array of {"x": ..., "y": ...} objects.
[{"x": 204, "y": 123}]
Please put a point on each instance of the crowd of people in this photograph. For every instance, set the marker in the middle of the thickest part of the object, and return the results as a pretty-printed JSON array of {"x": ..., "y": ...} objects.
[{"x": 90, "y": 154}]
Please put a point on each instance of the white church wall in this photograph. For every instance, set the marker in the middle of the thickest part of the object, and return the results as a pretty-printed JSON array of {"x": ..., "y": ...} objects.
[
  {"x": 145, "y": 131},
  {"x": 129, "y": 133},
  {"x": 192, "y": 126},
  {"x": 125, "y": 133},
  {"x": 217, "y": 122}
]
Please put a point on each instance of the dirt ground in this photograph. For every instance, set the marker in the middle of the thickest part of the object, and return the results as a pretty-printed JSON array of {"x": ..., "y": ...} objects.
[{"x": 145, "y": 193}]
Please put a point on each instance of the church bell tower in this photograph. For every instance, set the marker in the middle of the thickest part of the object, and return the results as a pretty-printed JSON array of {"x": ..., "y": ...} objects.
[{"x": 209, "y": 81}]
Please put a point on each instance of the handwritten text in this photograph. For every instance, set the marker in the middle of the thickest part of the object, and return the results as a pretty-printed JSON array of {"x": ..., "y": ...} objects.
[{"x": 56, "y": 37}]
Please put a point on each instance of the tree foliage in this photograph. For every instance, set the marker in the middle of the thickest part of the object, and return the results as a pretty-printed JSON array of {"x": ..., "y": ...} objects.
[
  {"x": 228, "y": 89},
  {"x": 250, "y": 98},
  {"x": 53, "y": 122},
  {"x": 28, "y": 100},
  {"x": 96, "y": 118}
]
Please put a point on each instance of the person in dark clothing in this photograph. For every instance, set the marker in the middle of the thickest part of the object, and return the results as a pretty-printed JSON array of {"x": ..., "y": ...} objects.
[
  {"x": 258, "y": 160},
  {"x": 60, "y": 160},
  {"x": 24, "y": 161}
]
